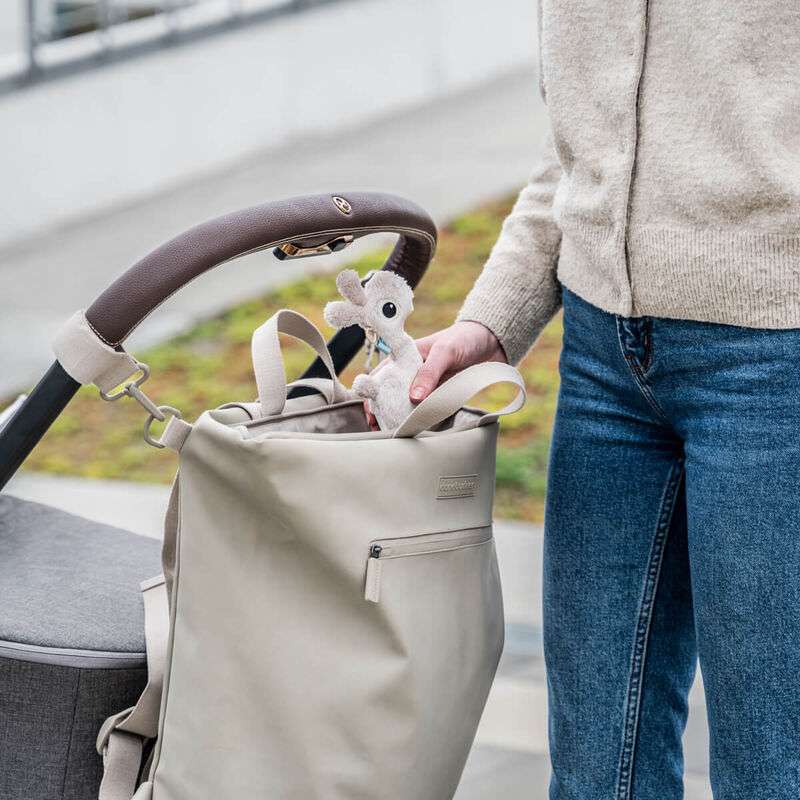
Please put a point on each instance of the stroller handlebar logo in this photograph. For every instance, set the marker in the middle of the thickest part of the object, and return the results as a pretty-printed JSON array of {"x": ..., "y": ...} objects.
[{"x": 342, "y": 204}]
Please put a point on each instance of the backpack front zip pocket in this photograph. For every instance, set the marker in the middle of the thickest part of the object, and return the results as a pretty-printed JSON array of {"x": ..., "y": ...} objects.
[{"x": 425, "y": 544}]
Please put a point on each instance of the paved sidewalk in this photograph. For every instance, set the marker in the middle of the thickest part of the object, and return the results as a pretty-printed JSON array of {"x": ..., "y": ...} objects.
[
  {"x": 448, "y": 156},
  {"x": 509, "y": 760}
]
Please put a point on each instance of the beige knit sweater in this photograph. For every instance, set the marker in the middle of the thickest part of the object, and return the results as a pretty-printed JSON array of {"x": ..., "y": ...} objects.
[{"x": 670, "y": 185}]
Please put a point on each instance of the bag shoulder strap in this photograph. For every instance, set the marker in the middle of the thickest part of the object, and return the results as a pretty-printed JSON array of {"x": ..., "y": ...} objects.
[
  {"x": 122, "y": 736},
  {"x": 455, "y": 392}
]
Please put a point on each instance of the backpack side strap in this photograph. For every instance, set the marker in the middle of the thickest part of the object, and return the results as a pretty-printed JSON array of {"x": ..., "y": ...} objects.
[{"x": 122, "y": 736}]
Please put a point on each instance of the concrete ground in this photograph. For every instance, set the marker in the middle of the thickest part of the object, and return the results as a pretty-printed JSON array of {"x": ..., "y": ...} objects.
[
  {"x": 509, "y": 760},
  {"x": 448, "y": 157}
]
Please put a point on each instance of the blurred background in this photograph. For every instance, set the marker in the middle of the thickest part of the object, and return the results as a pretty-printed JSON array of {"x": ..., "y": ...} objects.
[{"x": 124, "y": 122}]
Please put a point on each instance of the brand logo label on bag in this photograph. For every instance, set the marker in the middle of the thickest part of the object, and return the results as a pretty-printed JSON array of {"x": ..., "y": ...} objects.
[{"x": 457, "y": 486}]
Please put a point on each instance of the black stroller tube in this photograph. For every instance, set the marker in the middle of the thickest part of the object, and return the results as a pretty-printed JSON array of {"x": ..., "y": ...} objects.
[
  {"x": 31, "y": 421},
  {"x": 298, "y": 226}
]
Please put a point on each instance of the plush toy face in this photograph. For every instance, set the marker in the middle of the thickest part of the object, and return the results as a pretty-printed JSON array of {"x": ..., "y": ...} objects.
[{"x": 381, "y": 305}]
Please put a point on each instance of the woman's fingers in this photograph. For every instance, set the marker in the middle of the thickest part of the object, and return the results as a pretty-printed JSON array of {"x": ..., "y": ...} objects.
[
  {"x": 371, "y": 421},
  {"x": 445, "y": 353},
  {"x": 450, "y": 350},
  {"x": 439, "y": 360}
]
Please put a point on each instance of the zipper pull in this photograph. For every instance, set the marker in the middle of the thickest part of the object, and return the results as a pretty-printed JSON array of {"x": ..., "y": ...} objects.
[{"x": 372, "y": 585}]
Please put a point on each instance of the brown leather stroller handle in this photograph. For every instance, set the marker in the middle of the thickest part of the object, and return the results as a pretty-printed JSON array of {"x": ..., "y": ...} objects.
[{"x": 298, "y": 225}]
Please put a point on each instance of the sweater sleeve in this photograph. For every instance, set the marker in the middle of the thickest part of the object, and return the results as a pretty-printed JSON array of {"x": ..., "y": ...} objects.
[{"x": 517, "y": 292}]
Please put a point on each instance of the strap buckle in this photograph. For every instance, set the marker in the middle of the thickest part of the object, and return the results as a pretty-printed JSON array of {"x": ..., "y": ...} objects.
[
  {"x": 129, "y": 387},
  {"x": 158, "y": 413},
  {"x": 301, "y": 250},
  {"x": 154, "y": 411}
]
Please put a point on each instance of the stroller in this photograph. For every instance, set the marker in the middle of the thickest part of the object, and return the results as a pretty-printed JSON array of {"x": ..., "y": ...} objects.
[{"x": 72, "y": 648}]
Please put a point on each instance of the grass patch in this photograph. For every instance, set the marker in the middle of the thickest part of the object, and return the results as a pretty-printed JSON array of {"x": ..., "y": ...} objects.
[{"x": 210, "y": 365}]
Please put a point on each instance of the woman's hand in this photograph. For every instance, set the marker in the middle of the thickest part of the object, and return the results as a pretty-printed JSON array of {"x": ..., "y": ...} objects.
[{"x": 449, "y": 351}]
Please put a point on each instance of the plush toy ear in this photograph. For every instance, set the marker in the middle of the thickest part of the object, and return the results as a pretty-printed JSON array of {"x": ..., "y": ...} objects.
[
  {"x": 349, "y": 285},
  {"x": 342, "y": 314}
]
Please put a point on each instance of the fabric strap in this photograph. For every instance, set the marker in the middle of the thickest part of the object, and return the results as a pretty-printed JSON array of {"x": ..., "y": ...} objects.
[
  {"x": 455, "y": 392},
  {"x": 324, "y": 386},
  {"x": 175, "y": 434},
  {"x": 268, "y": 360},
  {"x": 169, "y": 545},
  {"x": 122, "y": 736},
  {"x": 86, "y": 358}
]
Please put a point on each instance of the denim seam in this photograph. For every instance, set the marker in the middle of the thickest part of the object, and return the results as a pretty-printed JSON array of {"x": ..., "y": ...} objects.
[
  {"x": 639, "y": 377},
  {"x": 645, "y": 389},
  {"x": 639, "y": 654}
]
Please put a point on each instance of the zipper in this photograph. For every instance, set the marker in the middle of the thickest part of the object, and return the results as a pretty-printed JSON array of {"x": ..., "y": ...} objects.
[{"x": 424, "y": 544}]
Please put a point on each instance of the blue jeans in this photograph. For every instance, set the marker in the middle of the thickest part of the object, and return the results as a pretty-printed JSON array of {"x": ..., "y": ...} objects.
[{"x": 673, "y": 532}]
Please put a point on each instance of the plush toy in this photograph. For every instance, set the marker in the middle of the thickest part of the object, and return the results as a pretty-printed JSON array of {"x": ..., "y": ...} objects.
[{"x": 380, "y": 305}]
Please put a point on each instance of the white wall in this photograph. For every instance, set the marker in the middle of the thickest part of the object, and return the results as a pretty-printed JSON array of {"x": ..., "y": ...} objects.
[
  {"x": 12, "y": 18},
  {"x": 107, "y": 136}
]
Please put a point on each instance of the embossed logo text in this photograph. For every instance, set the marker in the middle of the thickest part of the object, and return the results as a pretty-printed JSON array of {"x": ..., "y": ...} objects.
[{"x": 457, "y": 486}]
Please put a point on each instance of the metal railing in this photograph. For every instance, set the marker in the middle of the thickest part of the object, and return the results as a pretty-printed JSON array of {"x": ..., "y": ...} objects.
[{"x": 60, "y": 37}]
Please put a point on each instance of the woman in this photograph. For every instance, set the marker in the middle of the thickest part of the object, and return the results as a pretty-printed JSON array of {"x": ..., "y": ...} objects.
[{"x": 666, "y": 215}]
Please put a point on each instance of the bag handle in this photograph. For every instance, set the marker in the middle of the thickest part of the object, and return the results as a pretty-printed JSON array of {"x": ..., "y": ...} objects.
[
  {"x": 455, "y": 392},
  {"x": 268, "y": 359}
]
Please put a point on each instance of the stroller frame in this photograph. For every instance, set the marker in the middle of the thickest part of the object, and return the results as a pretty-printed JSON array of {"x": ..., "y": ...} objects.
[{"x": 298, "y": 227}]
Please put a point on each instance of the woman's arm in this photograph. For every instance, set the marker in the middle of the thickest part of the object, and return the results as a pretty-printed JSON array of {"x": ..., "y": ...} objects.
[
  {"x": 517, "y": 293},
  {"x": 515, "y": 296}
]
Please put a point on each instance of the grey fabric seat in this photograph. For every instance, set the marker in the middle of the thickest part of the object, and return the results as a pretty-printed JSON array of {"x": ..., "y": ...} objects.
[{"x": 71, "y": 645}]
